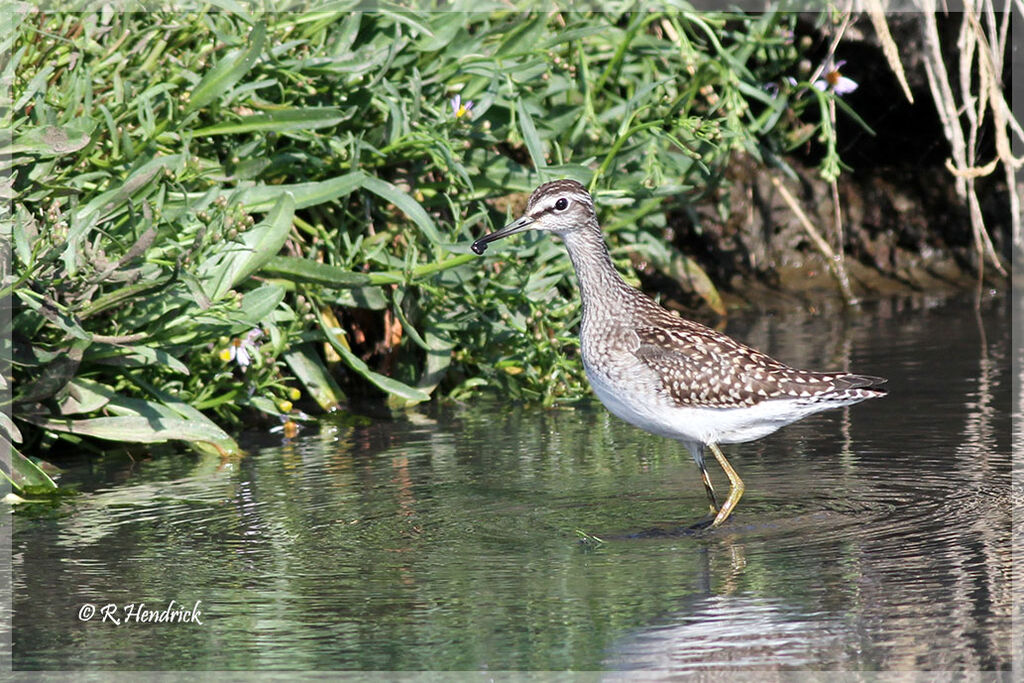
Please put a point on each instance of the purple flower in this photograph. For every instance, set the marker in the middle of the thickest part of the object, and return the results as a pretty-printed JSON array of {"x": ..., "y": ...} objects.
[{"x": 460, "y": 109}]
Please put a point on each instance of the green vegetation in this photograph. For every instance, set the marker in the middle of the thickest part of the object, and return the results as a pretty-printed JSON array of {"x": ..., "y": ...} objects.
[{"x": 219, "y": 215}]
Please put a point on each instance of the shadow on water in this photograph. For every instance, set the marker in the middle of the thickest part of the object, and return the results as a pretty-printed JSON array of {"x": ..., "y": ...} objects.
[{"x": 874, "y": 537}]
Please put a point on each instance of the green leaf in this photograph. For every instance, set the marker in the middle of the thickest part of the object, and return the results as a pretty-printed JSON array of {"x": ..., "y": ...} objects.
[
  {"x": 423, "y": 270},
  {"x": 235, "y": 261},
  {"x": 83, "y": 395},
  {"x": 523, "y": 37},
  {"x": 35, "y": 86},
  {"x": 387, "y": 384},
  {"x": 263, "y": 404},
  {"x": 258, "y": 304},
  {"x": 313, "y": 375},
  {"x": 215, "y": 441},
  {"x": 25, "y": 474},
  {"x": 120, "y": 296},
  {"x": 53, "y": 141},
  {"x": 263, "y": 197},
  {"x": 370, "y": 298},
  {"x": 133, "y": 356},
  {"x": 407, "y": 204},
  {"x": 439, "y": 359},
  {"x": 8, "y": 429},
  {"x": 530, "y": 136},
  {"x": 109, "y": 201},
  {"x": 24, "y": 234},
  {"x": 137, "y": 429},
  {"x": 573, "y": 34},
  {"x": 237, "y": 9},
  {"x": 138, "y": 420},
  {"x": 856, "y": 117},
  {"x": 227, "y": 71},
  {"x": 58, "y": 371},
  {"x": 278, "y": 121},
  {"x": 314, "y": 272},
  {"x": 55, "y": 317}
]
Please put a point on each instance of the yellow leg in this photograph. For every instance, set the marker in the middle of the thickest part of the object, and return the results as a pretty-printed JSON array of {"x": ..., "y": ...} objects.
[{"x": 735, "y": 486}]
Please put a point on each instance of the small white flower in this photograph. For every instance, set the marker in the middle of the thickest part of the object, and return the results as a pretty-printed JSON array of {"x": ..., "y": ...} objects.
[
  {"x": 832, "y": 79},
  {"x": 240, "y": 354},
  {"x": 241, "y": 350}
]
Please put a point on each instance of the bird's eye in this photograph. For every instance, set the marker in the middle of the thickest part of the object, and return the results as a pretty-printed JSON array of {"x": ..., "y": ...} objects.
[{"x": 562, "y": 204}]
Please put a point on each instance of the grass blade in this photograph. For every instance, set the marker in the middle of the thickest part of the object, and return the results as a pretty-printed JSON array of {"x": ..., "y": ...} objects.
[
  {"x": 227, "y": 71},
  {"x": 278, "y": 121}
]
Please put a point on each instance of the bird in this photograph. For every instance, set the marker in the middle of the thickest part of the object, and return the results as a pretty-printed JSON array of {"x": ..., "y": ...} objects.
[{"x": 666, "y": 374}]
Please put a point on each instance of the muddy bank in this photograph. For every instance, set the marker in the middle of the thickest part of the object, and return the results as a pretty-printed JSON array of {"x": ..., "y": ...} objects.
[{"x": 903, "y": 233}]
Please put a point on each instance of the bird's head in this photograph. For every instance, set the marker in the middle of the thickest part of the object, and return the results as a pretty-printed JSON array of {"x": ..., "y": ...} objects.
[{"x": 560, "y": 206}]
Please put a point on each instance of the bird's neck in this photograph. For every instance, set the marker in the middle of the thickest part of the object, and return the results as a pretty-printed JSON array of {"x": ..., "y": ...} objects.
[{"x": 601, "y": 287}]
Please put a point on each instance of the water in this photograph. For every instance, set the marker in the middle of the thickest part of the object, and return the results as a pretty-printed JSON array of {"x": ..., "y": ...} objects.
[{"x": 871, "y": 538}]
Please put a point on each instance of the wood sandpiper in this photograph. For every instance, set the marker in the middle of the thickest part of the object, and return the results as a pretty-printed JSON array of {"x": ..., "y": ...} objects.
[{"x": 668, "y": 375}]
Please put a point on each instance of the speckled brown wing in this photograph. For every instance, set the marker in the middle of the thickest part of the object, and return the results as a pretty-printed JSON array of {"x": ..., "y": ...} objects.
[{"x": 700, "y": 367}]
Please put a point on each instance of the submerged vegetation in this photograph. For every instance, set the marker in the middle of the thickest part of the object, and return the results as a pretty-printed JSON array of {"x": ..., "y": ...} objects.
[{"x": 219, "y": 215}]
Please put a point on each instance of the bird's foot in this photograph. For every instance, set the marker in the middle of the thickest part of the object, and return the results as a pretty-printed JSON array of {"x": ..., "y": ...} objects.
[{"x": 704, "y": 522}]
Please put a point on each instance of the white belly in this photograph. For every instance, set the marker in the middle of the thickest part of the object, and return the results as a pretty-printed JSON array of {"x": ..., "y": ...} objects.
[{"x": 649, "y": 411}]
